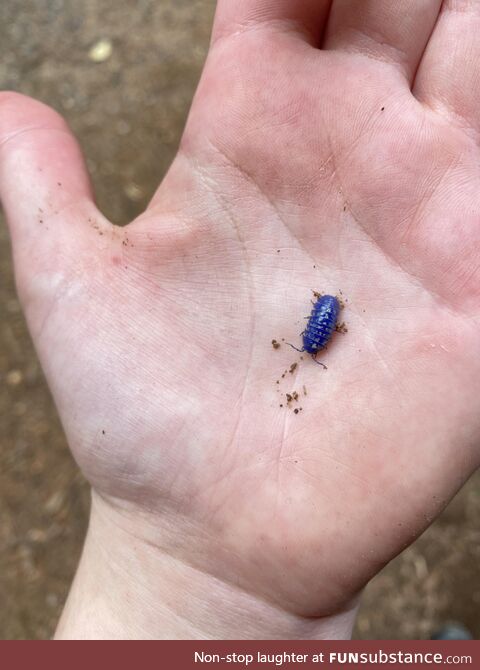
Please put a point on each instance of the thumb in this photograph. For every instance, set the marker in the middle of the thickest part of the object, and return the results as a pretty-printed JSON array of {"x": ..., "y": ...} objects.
[{"x": 46, "y": 194}]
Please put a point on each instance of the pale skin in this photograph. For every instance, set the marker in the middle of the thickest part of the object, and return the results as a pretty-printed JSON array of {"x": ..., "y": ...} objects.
[{"x": 346, "y": 136}]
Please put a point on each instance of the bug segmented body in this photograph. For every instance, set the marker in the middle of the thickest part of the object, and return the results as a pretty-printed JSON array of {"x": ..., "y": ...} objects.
[{"x": 321, "y": 323}]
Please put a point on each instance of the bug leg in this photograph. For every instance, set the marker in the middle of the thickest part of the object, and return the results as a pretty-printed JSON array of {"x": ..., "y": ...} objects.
[
  {"x": 319, "y": 362},
  {"x": 291, "y": 345}
]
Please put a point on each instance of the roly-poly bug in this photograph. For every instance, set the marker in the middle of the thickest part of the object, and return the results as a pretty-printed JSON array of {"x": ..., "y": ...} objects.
[{"x": 320, "y": 326}]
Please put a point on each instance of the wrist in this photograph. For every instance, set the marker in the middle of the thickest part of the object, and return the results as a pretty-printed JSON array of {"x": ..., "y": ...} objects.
[{"x": 127, "y": 588}]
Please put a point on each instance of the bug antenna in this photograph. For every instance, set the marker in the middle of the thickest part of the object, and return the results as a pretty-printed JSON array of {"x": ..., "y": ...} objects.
[{"x": 291, "y": 345}]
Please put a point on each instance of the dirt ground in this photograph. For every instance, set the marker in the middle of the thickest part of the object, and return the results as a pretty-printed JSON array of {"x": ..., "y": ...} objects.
[{"x": 128, "y": 108}]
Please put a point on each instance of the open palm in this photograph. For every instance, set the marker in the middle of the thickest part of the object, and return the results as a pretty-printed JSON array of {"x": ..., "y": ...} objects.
[{"x": 352, "y": 168}]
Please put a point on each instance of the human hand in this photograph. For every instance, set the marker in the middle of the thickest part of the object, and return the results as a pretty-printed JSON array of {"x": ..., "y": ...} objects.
[{"x": 155, "y": 338}]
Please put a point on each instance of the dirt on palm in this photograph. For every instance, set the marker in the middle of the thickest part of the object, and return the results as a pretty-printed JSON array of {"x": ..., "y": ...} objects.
[{"x": 124, "y": 79}]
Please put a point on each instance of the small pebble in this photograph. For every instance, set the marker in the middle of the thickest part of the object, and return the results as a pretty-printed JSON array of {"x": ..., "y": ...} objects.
[
  {"x": 134, "y": 192},
  {"x": 101, "y": 51},
  {"x": 14, "y": 377}
]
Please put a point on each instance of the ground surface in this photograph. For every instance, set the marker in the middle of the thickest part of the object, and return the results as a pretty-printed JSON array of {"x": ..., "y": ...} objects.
[{"x": 128, "y": 111}]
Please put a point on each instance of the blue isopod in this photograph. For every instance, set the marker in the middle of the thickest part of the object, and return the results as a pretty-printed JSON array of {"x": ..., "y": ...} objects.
[{"x": 321, "y": 324}]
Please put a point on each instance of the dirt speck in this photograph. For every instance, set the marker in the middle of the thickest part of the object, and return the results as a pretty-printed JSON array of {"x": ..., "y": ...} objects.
[{"x": 275, "y": 344}]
